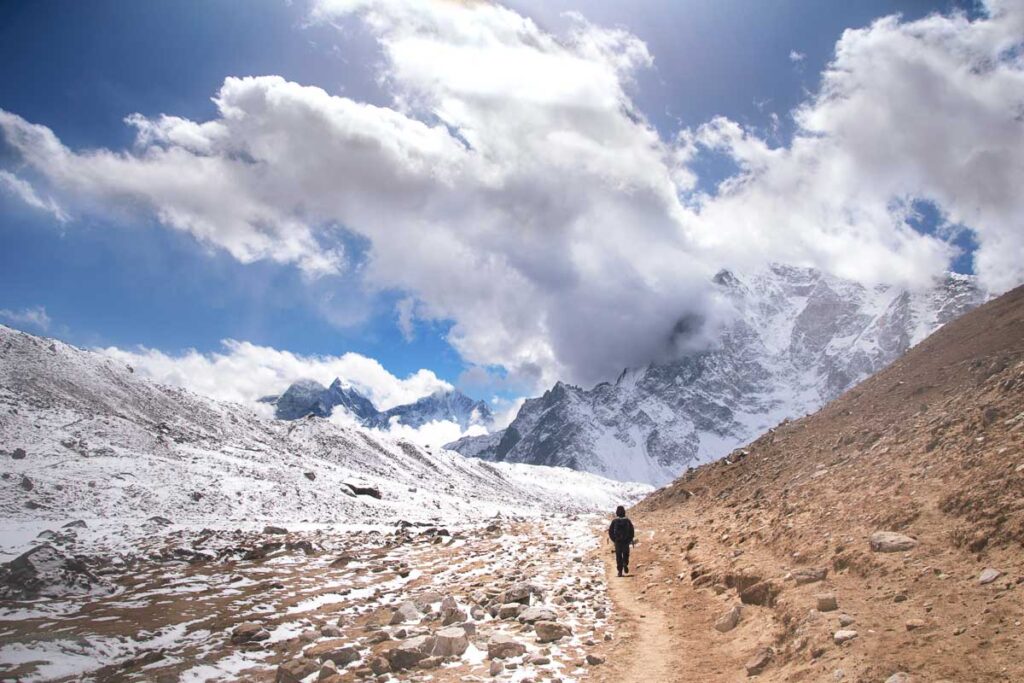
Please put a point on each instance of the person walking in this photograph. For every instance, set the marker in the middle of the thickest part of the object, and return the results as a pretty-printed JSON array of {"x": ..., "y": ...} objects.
[{"x": 621, "y": 532}]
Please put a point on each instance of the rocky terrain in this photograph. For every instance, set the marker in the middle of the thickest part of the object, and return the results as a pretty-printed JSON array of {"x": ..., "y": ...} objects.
[
  {"x": 508, "y": 598},
  {"x": 877, "y": 540},
  {"x": 799, "y": 338}
]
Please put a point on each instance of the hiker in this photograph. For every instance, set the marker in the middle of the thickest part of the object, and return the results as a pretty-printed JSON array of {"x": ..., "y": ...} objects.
[{"x": 621, "y": 533}]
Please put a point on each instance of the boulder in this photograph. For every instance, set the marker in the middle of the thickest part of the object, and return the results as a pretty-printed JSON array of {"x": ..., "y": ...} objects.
[
  {"x": 846, "y": 620},
  {"x": 521, "y": 593},
  {"x": 293, "y": 671},
  {"x": 364, "y": 490},
  {"x": 336, "y": 650},
  {"x": 511, "y": 610},
  {"x": 18, "y": 454},
  {"x": 891, "y": 542},
  {"x": 550, "y": 631},
  {"x": 759, "y": 661},
  {"x": 762, "y": 593},
  {"x": 26, "y": 483},
  {"x": 594, "y": 660},
  {"x": 504, "y": 646},
  {"x": 274, "y": 530},
  {"x": 450, "y": 642},
  {"x": 379, "y": 665},
  {"x": 496, "y": 668},
  {"x": 161, "y": 521},
  {"x": 409, "y": 653},
  {"x": 405, "y": 613},
  {"x": 809, "y": 575},
  {"x": 988, "y": 575},
  {"x": 248, "y": 632},
  {"x": 914, "y": 624},
  {"x": 729, "y": 620},
  {"x": 826, "y": 602},
  {"x": 328, "y": 670},
  {"x": 534, "y": 614},
  {"x": 45, "y": 571},
  {"x": 844, "y": 636}
]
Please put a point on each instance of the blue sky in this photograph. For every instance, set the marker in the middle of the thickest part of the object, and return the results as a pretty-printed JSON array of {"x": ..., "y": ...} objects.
[{"x": 114, "y": 276}]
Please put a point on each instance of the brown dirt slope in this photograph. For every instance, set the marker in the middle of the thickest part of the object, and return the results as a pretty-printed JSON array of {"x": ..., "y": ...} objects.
[{"x": 930, "y": 448}]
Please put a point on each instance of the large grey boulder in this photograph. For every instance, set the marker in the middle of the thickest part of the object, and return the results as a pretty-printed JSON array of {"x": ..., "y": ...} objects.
[
  {"x": 504, "y": 646},
  {"x": 551, "y": 631},
  {"x": 409, "y": 653}
]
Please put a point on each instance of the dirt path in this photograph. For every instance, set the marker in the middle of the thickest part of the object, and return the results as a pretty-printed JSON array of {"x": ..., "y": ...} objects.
[{"x": 654, "y": 643}]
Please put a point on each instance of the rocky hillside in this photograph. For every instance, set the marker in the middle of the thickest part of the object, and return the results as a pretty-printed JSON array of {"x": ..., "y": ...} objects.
[
  {"x": 82, "y": 436},
  {"x": 799, "y": 339},
  {"x": 879, "y": 539}
]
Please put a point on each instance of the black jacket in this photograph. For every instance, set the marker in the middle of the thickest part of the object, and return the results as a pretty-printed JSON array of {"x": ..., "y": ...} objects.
[{"x": 621, "y": 530}]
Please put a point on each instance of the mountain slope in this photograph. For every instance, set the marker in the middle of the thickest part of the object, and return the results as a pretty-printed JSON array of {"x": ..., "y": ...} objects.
[
  {"x": 799, "y": 338},
  {"x": 83, "y": 436},
  {"x": 930, "y": 449}
]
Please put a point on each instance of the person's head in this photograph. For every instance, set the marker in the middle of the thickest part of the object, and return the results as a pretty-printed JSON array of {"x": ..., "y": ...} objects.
[{"x": 620, "y": 511}]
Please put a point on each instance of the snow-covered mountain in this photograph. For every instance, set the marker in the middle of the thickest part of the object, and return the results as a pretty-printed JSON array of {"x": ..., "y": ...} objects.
[
  {"x": 799, "y": 338},
  {"x": 82, "y": 436},
  {"x": 308, "y": 397}
]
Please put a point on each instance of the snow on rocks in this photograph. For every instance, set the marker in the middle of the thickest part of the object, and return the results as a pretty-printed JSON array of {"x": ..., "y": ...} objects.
[{"x": 45, "y": 571}]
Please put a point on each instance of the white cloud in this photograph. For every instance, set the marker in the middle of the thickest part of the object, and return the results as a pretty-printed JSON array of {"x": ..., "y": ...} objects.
[
  {"x": 23, "y": 190},
  {"x": 245, "y": 372},
  {"x": 35, "y": 318},
  {"x": 513, "y": 188},
  {"x": 795, "y": 56}
]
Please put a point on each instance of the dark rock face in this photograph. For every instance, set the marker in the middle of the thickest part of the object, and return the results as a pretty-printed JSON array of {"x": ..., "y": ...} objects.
[
  {"x": 799, "y": 338},
  {"x": 45, "y": 571}
]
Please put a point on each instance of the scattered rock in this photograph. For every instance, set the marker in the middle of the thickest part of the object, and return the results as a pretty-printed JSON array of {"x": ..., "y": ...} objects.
[
  {"x": 361, "y": 490},
  {"x": 18, "y": 454},
  {"x": 379, "y": 665},
  {"x": 274, "y": 530},
  {"x": 249, "y": 632},
  {"x": 846, "y": 620},
  {"x": 533, "y": 614},
  {"x": 162, "y": 521},
  {"x": 759, "y": 661},
  {"x": 310, "y": 475},
  {"x": 809, "y": 575},
  {"x": 728, "y": 621},
  {"x": 26, "y": 483},
  {"x": 843, "y": 636},
  {"x": 77, "y": 524},
  {"x": 899, "y": 677},
  {"x": 826, "y": 602},
  {"x": 504, "y": 646},
  {"x": 550, "y": 631},
  {"x": 988, "y": 575},
  {"x": 327, "y": 670},
  {"x": 295, "y": 670},
  {"x": 511, "y": 610},
  {"x": 409, "y": 653},
  {"x": 762, "y": 593},
  {"x": 336, "y": 650},
  {"x": 891, "y": 542},
  {"x": 914, "y": 624},
  {"x": 496, "y": 667},
  {"x": 405, "y": 613},
  {"x": 450, "y": 642},
  {"x": 594, "y": 660}
]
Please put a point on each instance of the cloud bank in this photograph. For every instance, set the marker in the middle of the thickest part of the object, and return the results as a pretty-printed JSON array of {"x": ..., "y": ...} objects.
[{"x": 513, "y": 188}]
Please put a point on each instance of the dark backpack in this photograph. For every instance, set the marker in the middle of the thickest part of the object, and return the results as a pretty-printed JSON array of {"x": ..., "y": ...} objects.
[{"x": 621, "y": 530}]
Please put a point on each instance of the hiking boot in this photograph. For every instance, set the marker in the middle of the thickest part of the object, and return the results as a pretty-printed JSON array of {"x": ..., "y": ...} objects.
[
  {"x": 620, "y": 572},
  {"x": 625, "y": 569}
]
